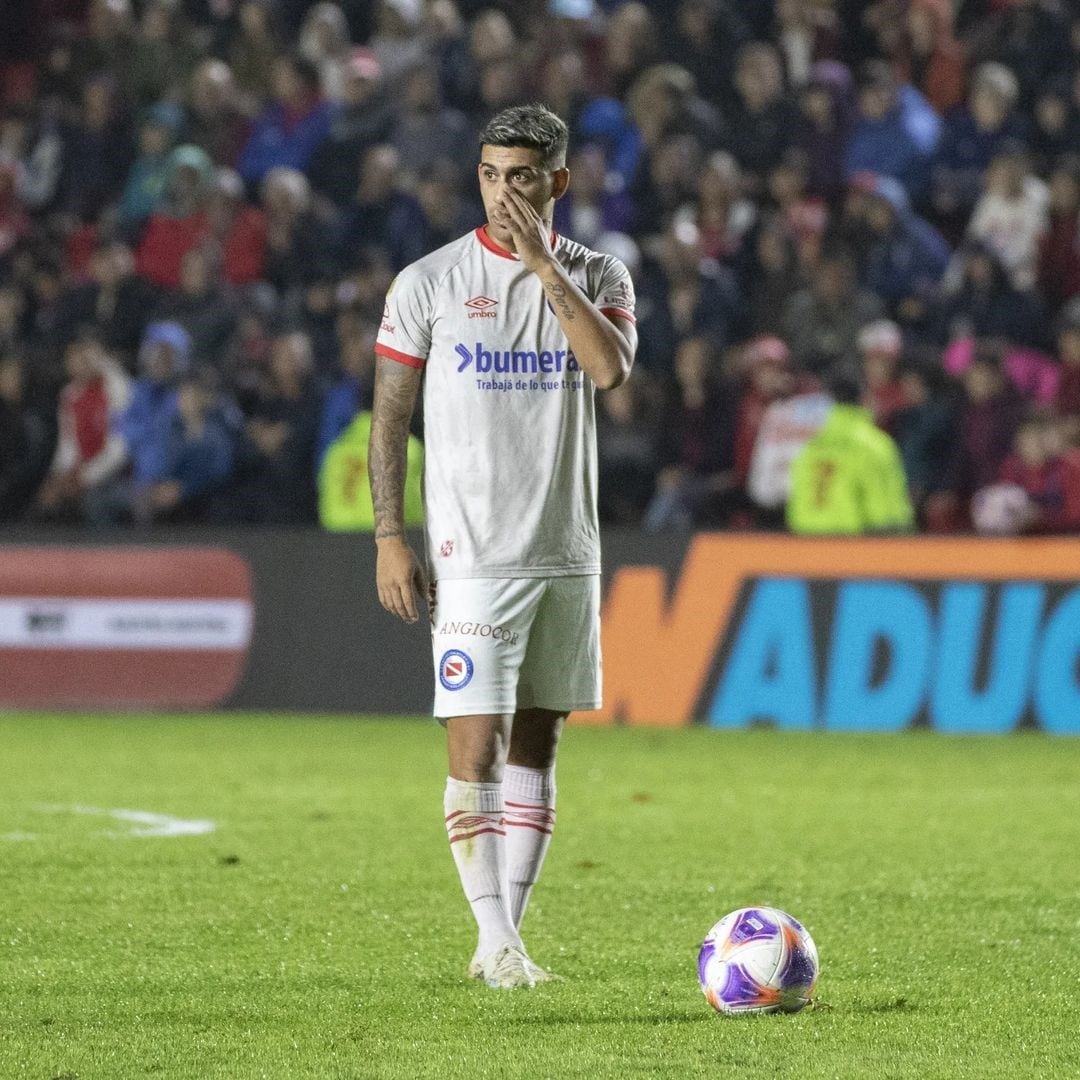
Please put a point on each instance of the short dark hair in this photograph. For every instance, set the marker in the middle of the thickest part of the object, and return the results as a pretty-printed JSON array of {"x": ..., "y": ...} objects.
[
  {"x": 843, "y": 384},
  {"x": 534, "y": 127}
]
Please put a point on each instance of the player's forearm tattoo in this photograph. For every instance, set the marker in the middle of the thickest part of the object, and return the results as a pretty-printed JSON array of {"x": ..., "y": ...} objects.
[
  {"x": 396, "y": 386},
  {"x": 557, "y": 291}
]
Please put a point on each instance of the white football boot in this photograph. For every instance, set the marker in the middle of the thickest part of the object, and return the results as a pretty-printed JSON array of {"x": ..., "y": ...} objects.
[{"x": 510, "y": 968}]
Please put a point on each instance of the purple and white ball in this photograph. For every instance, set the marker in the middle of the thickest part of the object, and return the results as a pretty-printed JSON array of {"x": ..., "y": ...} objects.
[{"x": 758, "y": 960}]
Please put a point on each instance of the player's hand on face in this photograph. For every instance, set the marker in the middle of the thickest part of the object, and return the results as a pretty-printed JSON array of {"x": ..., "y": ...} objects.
[
  {"x": 531, "y": 233},
  {"x": 399, "y": 579}
]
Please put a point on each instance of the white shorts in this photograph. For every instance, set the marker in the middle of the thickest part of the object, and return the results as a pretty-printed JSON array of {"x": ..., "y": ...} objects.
[{"x": 503, "y": 644}]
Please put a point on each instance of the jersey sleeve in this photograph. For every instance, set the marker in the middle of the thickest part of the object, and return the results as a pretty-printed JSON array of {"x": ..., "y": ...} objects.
[
  {"x": 614, "y": 294},
  {"x": 405, "y": 329}
]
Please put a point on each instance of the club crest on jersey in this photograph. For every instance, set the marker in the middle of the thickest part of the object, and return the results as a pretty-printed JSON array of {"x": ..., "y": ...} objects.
[
  {"x": 446, "y": 549},
  {"x": 455, "y": 670},
  {"x": 516, "y": 361},
  {"x": 481, "y": 307}
]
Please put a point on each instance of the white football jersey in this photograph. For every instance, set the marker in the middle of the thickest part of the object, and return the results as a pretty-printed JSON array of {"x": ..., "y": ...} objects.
[{"x": 509, "y": 416}]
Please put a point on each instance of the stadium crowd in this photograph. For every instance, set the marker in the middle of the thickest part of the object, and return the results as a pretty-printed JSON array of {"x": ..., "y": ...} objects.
[{"x": 203, "y": 202}]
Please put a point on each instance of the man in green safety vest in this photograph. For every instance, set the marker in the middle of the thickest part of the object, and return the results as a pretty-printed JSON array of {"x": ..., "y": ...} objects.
[
  {"x": 344, "y": 491},
  {"x": 848, "y": 480}
]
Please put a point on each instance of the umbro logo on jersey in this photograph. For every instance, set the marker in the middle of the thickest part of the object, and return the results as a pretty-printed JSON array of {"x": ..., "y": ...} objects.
[{"x": 481, "y": 307}]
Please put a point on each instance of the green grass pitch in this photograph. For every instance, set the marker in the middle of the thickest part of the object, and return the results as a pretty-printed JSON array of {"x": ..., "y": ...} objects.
[{"x": 319, "y": 931}]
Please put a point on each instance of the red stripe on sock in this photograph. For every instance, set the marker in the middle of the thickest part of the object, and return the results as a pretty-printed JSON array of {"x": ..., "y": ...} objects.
[
  {"x": 527, "y": 825},
  {"x": 479, "y": 832},
  {"x": 530, "y": 806},
  {"x": 456, "y": 813}
]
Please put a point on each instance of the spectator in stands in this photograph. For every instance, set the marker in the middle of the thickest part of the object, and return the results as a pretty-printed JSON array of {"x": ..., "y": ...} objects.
[
  {"x": 1058, "y": 275},
  {"x": 148, "y": 179},
  {"x": 848, "y": 480},
  {"x": 181, "y": 222},
  {"x": 213, "y": 119},
  {"x": 354, "y": 391},
  {"x": 821, "y": 322},
  {"x": 290, "y": 129},
  {"x": 896, "y": 133},
  {"x": 973, "y": 135},
  {"x": 324, "y": 40},
  {"x": 931, "y": 57},
  {"x": 380, "y": 215},
  {"x": 89, "y": 450},
  {"x": 25, "y": 441},
  {"x": 190, "y": 459},
  {"x": 772, "y": 276},
  {"x": 115, "y": 301},
  {"x": 923, "y": 427},
  {"x": 989, "y": 416},
  {"x": 253, "y": 54},
  {"x": 281, "y": 432},
  {"x": 1039, "y": 467},
  {"x": 596, "y": 201},
  {"x": 725, "y": 217},
  {"x": 822, "y": 127},
  {"x": 766, "y": 376},
  {"x": 682, "y": 293},
  {"x": 14, "y": 220},
  {"x": 630, "y": 45},
  {"x": 1067, "y": 400},
  {"x": 627, "y": 437},
  {"x": 666, "y": 183},
  {"x": 97, "y": 152},
  {"x": 880, "y": 348},
  {"x": 163, "y": 358},
  {"x": 695, "y": 443},
  {"x": 32, "y": 138},
  {"x": 705, "y": 37},
  {"x": 364, "y": 119},
  {"x": 762, "y": 116},
  {"x": 162, "y": 54},
  {"x": 199, "y": 306},
  {"x": 984, "y": 303},
  {"x": 807, "y": 33},
  {"x": 298, "y": 243},
  {"x": 396, "y": 42},
  {"x": 237, "y": 230},
  {"x": 905, "y": 256},
  {"x": 663, "y": 102},
  {"x": 786, "y": 427},
  {"x": 1056, "y": 130},
  {"x": 425, "y": 130},
  {"x": 1026, "y": 36},
  {"x": 445, "y": 214},
  {"x": 1011, "y": 216}
]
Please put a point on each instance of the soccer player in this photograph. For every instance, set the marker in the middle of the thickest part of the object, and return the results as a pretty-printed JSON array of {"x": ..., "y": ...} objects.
[{"x": 512, "y": 328}]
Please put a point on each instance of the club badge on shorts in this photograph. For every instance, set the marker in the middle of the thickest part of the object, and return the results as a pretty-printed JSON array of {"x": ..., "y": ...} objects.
[{"x": 455, "y": 669}]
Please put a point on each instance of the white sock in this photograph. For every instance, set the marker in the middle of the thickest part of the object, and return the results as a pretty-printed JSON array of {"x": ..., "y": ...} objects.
[
  {"x": 529, "y": 816},
  {"x": 477, "y": 837}
]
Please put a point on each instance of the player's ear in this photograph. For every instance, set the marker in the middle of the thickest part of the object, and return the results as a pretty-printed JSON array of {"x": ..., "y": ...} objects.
[{"x": 560, "y": 181}]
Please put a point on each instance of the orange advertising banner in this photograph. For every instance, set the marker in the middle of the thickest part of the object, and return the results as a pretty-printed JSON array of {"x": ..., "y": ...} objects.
[{"x": 869, "y": 634}]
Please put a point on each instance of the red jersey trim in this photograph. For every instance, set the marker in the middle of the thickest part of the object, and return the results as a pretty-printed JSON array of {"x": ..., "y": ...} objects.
[
  {"x": 492, "y": 245},
  {"x": 400, "y": 357},
  {"x": 619, "y": 313}
]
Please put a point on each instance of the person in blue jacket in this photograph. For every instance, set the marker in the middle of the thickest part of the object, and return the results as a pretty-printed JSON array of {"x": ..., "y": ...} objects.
[
  {"x": 293, "y": 126},
  {"x": 896, "y": 134}
]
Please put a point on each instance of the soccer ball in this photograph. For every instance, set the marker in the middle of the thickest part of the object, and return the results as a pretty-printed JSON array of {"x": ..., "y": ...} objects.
[{"x": 758, "y": 960}]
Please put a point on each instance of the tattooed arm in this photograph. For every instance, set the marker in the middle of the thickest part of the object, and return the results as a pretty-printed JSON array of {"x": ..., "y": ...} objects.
[
  {"x": 604, "y": 350},
  {"x": 398, "y": 571}
]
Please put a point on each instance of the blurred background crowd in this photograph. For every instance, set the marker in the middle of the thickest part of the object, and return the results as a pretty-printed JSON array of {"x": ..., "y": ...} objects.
[{"x": 202, "y": 203}]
